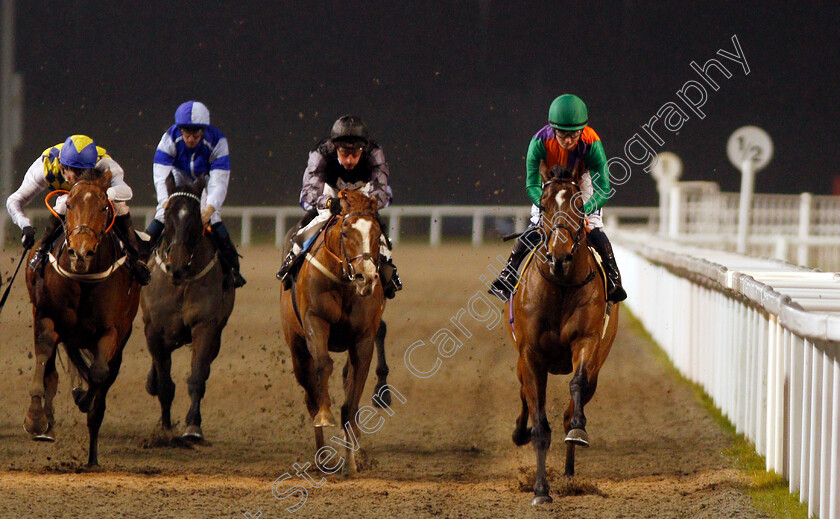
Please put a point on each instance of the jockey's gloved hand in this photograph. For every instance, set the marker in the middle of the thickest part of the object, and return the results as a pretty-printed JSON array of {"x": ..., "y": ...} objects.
[
  {"x": 27, "y": 237},
  {"x": 334, "y": 205}
]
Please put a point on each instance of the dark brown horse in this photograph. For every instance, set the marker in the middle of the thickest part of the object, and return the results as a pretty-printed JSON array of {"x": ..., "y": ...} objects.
[
  {"x": 560, "y": 324},
  {"x": 185, "y": 302},
  {"x": 336, "y": 305},
  {"x": 85, "y": 300}
]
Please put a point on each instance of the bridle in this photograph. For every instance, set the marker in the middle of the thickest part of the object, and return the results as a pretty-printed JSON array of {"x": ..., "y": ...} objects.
[
  {"x": 346, "y": 263},
  {"x": 81, "y": 228},
  {"x": 164, "y": 254},
  {"x": 576, "y": 235}
]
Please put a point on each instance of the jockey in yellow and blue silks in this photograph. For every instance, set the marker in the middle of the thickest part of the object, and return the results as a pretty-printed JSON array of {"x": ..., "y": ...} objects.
[
  {"x": 564, "y": 141},
  {"x": 192, "y": 148},
  {"x": 59, "y": 167}
]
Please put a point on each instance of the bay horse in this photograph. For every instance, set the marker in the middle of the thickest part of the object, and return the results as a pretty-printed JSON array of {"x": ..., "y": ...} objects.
[
  {"x": 186, "y": 302},
  {"x": 336, "y": 305},
  {"x": 87, "y": 301},
  {"x": 561, "y": 323}
]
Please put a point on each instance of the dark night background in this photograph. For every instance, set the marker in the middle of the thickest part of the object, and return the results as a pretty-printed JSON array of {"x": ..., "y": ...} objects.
[{"x": 453, "y": 91}]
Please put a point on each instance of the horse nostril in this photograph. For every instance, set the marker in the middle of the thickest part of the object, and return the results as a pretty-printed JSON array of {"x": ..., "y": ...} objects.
[
  {"x": 89, "y": 254},
  {"x": 72, "y": 253},
  {"x": 359, "y": 277}
]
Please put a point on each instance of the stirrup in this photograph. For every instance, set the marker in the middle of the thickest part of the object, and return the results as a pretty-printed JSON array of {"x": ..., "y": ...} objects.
[
  {"x": 500, "y": 288},
  {"x": 38, "y": 260},
  {"x": 236, "y": 279}
]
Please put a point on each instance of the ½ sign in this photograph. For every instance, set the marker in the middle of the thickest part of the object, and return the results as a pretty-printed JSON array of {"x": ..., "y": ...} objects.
[{"x": 750, "y": 143}]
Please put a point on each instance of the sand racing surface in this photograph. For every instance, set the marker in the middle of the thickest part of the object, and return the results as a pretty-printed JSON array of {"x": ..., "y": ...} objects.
[{"x": 445, "y": 452}]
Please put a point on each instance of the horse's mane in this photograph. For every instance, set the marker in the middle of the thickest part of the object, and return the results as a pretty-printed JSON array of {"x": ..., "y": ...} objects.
[
  {"x": 92, "y": 175},
  {"x": 358, "y": 201}
]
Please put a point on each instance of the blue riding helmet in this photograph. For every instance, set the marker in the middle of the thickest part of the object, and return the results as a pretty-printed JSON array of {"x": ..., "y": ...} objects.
[
  {"x": 78, "y": 151},
  {"x": 192, "y": 114}
]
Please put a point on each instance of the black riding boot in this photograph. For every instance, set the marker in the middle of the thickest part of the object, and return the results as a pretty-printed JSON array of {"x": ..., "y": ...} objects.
[
  {"x": 503, "y": 286},
  {"x": 391, "y": 282},
  {"x": 228, "y": 256},
  {"x": 615, "y": 292},
  {"x": 292, "y": 261},
  {"x": 154, "y": 230},
  {"x": 137, "y": 267},
  {"x": 51, "y": 232}
]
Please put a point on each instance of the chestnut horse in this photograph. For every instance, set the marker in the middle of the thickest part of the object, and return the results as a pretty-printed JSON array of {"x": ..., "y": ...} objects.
[
  {"x": 561, "y": 323},
  {"x": 85, "y": 300},
  {"x": 336, "y": 305},
  {"x": 185, "y": 302}
]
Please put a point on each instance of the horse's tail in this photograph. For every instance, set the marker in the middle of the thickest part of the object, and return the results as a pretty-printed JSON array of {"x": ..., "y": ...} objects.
[{"x": 82, "y": 364}]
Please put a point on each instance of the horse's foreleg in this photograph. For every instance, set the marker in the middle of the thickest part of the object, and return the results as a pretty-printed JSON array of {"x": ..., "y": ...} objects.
[
  {"x": 317, "y": 339},
  {"x": 381, "y": 398},
  {"x": 159, "y": 380},
  {"x": 534, "y": 378},
  {"x": 359, "y": 358},
  {"x": 207, "y": 340},
  {"x": 581, "y": 388},
  {"x": 37, "y": 422},
  {"x": 97, "y": 412}
]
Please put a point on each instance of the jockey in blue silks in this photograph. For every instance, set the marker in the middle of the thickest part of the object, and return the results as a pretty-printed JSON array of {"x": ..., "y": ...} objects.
[{"x": 190, "y": 149}]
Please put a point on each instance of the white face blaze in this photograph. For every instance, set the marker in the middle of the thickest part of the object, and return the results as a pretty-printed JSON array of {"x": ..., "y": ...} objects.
[
  {"x": 183, "y": 213},
  {"x": 364, "y": 226},
  {"x": 561, "y": 197}
]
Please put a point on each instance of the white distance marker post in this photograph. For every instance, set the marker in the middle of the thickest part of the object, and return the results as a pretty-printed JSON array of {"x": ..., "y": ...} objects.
[
  {"x": 667, "y": 169},
  {"x": 749, "y": 149}
]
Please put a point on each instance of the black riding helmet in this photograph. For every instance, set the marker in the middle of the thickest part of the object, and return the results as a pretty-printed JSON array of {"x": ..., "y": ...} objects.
[{"x": 349, "y": 130}]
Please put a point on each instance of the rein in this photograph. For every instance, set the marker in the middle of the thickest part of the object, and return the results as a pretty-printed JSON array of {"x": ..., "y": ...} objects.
[
  {"x": 210, "y": 264},
  {"x": 344, "y": 262},
  {"x": 577, "y": 238}
]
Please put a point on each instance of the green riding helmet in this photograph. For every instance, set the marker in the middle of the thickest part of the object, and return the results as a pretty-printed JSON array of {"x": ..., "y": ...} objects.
[{"x": 568, "y": 113}]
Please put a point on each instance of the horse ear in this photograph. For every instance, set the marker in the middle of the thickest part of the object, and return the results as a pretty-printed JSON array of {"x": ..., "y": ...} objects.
[
  {"x": 105, "y": 179},
  {"x": 200, "y": 184},
  {"x": 580, "y": 169},
  {"x": 545, "y": 175},
  {"x": 170, "y": 183}
]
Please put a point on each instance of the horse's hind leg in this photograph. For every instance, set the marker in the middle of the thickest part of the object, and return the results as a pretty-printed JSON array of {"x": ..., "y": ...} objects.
[
  {"x": 359, "y": 358},
  {"x": 534, "y": 378},
  {"x": 37, "y": 422},
  {"x": 521, "y": 432},
  {"x": 381, "y": 397},
  {"x": 207, "y": 341}
]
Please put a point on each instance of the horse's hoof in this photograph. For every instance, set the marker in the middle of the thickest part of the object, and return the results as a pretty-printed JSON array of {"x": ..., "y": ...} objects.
[
  {"x": 79, "y": 396},
  {"x": 381, "y": 399},
  {"x": 578, "y": 437},
  {"x": 324, "y": 419},
  {"x": 522, "y": 436},
  {"x": 47, "y": 436},
  {"x": 36, "y": 422},
  {"x": 152, "y": 382},
  {"x": 542, "y": 500},
  {"x": 193, "y": 433}
]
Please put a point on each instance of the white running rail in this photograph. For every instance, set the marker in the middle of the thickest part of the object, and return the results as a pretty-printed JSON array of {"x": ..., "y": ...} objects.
[{"x": 762, "y": 338}]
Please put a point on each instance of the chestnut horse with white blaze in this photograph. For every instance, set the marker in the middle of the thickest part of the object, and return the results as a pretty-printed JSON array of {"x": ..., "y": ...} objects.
[
  {"x": 86, "y": 300},
  {"x": 562, "y": 323},
  {"x": 336, "y": 305}
]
